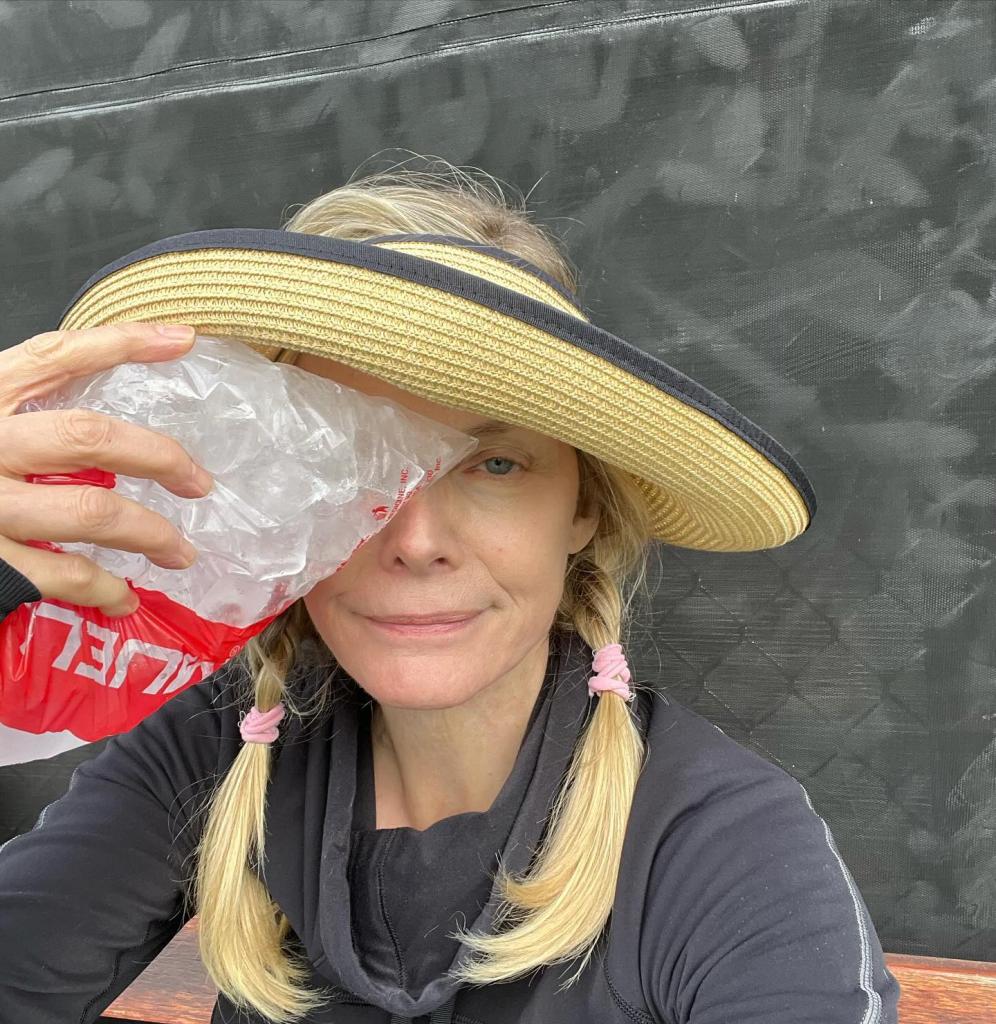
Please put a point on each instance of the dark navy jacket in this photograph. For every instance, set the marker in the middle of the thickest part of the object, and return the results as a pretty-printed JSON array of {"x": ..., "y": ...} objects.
[{"x": 733, "y": 904}]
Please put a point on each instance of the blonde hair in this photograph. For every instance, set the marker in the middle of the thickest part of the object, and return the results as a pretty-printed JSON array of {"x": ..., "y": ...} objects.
[{"x": 555, "y": 911}]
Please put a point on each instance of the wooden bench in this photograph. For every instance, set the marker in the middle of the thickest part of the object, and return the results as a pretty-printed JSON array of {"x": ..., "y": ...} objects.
[{"x": 175, "y": 989}]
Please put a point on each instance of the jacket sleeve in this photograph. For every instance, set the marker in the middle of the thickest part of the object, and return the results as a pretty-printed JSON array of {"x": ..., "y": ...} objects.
[
  {"x": 94, "y": 891},
  {"x": 765, "y": 923}
]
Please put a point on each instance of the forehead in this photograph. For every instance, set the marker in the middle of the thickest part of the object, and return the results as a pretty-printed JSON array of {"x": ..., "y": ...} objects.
[{"x": 459, "y": 419}]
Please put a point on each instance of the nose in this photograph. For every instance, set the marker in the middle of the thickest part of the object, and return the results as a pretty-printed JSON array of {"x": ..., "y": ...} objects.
[
  {"x": 426, "y": 506},
  {"x": 422, "y": 530}
]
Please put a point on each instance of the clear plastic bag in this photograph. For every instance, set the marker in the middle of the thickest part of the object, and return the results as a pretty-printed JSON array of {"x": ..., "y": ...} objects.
[{"x": 305, "y": 471}]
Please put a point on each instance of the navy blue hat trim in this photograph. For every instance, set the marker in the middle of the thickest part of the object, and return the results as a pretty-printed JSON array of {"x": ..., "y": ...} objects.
[{"x": 505, "y": 300}]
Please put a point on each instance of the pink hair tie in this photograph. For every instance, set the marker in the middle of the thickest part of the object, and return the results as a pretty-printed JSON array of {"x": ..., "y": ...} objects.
[
  {"x": 609, "y": 661},
  {"x": 261, "y": 726}
]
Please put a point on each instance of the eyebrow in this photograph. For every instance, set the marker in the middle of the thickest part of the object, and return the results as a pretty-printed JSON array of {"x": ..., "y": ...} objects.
[{"x": 490, "y": 428}]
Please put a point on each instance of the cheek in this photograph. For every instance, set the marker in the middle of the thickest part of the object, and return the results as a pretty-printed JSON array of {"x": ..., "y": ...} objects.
[
  {"x": 528, "y": 562},
  {"x": 321, "y": 600}
]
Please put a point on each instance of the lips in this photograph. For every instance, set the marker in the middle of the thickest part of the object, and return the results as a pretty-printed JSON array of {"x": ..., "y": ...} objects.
[{"x": 423, "y": 620}]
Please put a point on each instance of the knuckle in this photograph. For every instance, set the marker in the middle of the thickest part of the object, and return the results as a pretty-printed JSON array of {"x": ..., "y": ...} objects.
[
  {"x": 47, "y": 345},
  {"x": 96, "y": 508},
  {"x": 122, "y": 330},
  {"x": 83, "y": 430},
  {"x": 79, "y": 572}
]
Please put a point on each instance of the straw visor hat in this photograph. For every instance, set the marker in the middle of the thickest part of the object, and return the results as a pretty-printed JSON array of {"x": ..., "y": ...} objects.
[{"x": 476, "y": 328}]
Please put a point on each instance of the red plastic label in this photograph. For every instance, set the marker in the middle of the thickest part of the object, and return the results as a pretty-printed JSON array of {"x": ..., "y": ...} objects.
[{"x": 65, "y": 666}]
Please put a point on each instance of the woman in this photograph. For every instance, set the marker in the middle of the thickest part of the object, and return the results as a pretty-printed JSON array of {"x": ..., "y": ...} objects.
[{"x": 425, "y": 822}]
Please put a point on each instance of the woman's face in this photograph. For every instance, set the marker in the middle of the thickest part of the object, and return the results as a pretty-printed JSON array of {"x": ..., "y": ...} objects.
[{"x": 492, "y": 536}]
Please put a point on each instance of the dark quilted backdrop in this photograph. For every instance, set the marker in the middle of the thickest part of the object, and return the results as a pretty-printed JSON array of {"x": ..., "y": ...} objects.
[{"x": 792, "y": 202}]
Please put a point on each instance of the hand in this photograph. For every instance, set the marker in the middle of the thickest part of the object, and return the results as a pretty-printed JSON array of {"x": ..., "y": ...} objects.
[{"x": 67, "y": 440}]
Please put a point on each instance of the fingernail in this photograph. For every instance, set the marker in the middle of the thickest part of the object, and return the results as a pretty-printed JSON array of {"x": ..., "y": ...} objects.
[
  {"x": 202, "y": 479},
  {"x": 178, "y": 331},
  {"x": 129, "y": 609}
]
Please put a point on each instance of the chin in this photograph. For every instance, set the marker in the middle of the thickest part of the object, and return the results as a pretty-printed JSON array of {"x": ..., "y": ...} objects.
[
  {"x": 411, "y": 690},
  {"x": 421, "y": 705},
  {"x": 412, "y": 700}
]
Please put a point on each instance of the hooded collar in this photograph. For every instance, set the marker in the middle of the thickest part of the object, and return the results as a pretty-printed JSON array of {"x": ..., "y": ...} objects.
[{"x": 312, "y": 792}]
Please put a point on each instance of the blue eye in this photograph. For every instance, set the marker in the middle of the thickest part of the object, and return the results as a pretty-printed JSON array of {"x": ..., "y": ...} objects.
[{"x": 499, "y": 458}]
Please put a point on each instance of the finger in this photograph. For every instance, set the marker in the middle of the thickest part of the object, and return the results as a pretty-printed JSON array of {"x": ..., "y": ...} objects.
[
  {"x": 63, "y": 440},
  {"x": 70, "y": 577},
  {"x": 93, "y": 515},
  {"x": 47, "y": 361}
]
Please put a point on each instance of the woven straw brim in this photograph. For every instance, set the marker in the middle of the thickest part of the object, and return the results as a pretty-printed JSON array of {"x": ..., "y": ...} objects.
[{"x": 710, "y": 486}]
